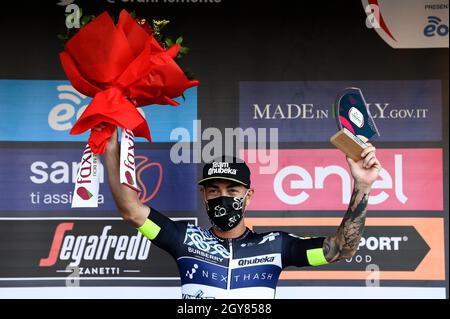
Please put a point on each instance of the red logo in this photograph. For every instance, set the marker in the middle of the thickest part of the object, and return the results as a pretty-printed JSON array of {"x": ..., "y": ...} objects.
[
  {"x": 142, "y": 165},
  {"x": 84, "y": 193},
  {"x": 56, "y": 245},
  {"x": 77, "y": 247},
  {"x": 129, "y": 178},
  {"x": 85, "y": 175},
  {"x": 319, "y": 179}
]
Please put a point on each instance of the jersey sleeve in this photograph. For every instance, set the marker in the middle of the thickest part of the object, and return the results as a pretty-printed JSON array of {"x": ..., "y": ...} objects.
[
  {"x": 302, "y": 251},
  {"x": 163, "y": 232}
]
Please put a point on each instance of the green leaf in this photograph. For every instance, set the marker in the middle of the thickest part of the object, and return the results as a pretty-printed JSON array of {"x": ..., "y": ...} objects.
[
  {"x": 168, "y": 42},
  {"x": 184, "y": 50},
  {"x": 133, "y": 14},
  {"x": 90, "y": 18},
  {"x": 85, "y": 20},
  {"x": 62, "y": 36},
  {"x": 179, "y": 40}
]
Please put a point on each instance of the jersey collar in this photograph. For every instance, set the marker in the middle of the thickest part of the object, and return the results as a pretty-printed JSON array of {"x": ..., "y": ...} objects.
[{"x": 238, "y": 239}]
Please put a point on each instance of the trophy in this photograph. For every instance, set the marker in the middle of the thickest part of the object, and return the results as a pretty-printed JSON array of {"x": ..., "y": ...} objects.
[{"x": 355, "y": 124}]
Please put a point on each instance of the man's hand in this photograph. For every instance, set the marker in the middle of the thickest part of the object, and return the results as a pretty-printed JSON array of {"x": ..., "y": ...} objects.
[
  {"x": 365, "y": 171},
  {"x": 113, "y": 142},
  {"x": 126, "y": 199}
]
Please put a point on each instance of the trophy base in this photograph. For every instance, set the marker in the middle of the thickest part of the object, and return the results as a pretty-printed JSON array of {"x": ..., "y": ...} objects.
[{"x": 348, "y": 143}]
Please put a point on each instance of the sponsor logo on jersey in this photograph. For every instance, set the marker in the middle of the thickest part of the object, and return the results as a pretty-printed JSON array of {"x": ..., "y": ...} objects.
[
  {"x": 255, "y": 276},
  {"x": 204, "y": 241},
  {"x": 205, "y": 255},
  {"x": 274, "y": 259},
  {"x": 195, "y": 271}
]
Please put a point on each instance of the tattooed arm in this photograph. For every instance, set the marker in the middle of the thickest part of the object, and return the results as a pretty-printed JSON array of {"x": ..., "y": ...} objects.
[{"x": 345, "y": 243}]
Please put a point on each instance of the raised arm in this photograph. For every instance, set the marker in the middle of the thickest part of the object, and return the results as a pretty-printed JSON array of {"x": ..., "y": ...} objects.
[
  {"x": 126, "y": 199},
  {"x": 345, "y": 243}
]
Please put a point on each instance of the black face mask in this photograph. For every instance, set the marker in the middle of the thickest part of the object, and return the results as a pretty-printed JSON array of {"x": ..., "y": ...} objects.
[{"x": 225, "y": 212}]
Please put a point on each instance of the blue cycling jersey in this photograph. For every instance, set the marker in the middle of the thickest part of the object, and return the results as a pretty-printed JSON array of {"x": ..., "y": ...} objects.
[{"x": 244, "y": 267}]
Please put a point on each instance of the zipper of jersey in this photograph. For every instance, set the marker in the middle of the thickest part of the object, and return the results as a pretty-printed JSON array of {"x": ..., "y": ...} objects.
[{"x": 230, "y": 244}]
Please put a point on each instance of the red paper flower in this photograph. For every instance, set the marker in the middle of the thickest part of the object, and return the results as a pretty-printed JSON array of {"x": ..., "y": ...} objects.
[{"x": 122, "y": 67}]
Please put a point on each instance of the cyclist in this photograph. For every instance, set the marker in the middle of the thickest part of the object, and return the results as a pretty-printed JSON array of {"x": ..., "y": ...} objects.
[{"x": 229, "y": 260}]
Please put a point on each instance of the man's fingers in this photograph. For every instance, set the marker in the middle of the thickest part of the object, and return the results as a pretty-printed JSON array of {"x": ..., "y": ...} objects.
[
  {"x": 368, "y": 150},
  {"x": 370, "y": 162},
  {"x": 99, "y": 127},
  {"x": 115, "y": 135},
  {"x": 374, "y": 163},
  {"x": 349, "y": 160},
  {"x": 368, "y": 157}
]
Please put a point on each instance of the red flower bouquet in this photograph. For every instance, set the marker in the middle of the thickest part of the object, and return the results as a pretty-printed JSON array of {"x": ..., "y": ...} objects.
[{"x": 122, "y": 67}]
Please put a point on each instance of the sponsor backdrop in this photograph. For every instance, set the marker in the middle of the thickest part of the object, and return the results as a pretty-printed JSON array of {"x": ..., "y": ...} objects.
[{"x": 272, "y": 69}]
